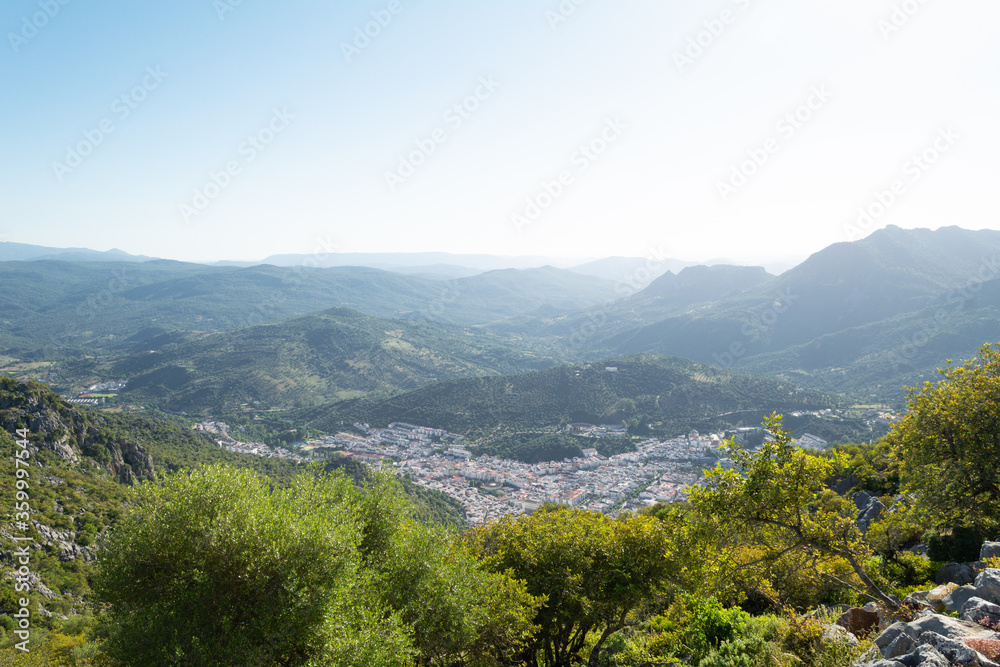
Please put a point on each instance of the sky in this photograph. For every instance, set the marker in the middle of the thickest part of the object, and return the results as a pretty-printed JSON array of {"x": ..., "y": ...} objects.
[{"x": 741, "y": 129}]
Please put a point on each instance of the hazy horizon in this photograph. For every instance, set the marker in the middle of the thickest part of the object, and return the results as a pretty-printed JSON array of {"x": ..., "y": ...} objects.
[{"x": 746, "y": 130}]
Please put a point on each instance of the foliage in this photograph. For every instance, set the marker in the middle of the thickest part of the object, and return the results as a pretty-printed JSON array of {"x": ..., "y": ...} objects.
[
  {"x": 664, "y": 389},
  {"x": 960, "y": 544},
  {"x": 775, "y": 523},
  {"x": 217, "y": 567},
  {"x": 595, "y": 573},
  {"x": 948, "y": 446}
]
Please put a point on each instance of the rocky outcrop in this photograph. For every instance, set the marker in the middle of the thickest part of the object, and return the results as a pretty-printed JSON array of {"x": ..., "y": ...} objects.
[
  {"x": 57, "y": 426},
  {"x": 870, "y": 509}
]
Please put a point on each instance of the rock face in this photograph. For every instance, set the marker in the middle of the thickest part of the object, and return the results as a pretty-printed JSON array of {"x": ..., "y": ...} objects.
[
  {"x": 57, "y": 426},
  {"x": 989, "y": 550}
]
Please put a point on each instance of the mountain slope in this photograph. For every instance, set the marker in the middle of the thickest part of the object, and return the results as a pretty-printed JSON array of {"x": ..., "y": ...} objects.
[
  {"x": 666, "y": 390},
  {"x": 305, "y": 360}
]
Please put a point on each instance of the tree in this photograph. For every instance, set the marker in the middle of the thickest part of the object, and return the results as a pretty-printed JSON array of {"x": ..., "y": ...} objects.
[
  {"x": 216, "y": 568},
  {"x": 774, "y": 520},
  {"x": 594, "y": 573},
  {"x": 948, "y": 444}
]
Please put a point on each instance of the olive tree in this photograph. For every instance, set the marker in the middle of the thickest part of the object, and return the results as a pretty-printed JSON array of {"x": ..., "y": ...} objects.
[
  {"x": 948, "y": 444},
  {"x": 774, "y": 520},
  {"x": 593, "y": 572}
]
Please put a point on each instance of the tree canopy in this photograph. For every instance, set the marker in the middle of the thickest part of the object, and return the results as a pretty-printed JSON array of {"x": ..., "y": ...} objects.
[
  {"x": 594, "y": 573},
  {"x": 948, "y": 444}
]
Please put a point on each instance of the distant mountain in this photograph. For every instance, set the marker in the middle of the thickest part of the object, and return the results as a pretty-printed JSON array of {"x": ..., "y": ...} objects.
[
  {"x": 671, "y": 393},
  {"x": 48, "y": 305},
  {"x": 696, "y": 284},
  {"x": 638, "y": 271},
  {"x": 12, "y": 252},
  {"x": 308, "y": 360},
  {"x": 410, "y": 262}
]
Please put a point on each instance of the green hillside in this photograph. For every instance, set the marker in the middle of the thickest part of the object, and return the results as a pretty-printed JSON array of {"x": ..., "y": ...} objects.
[
  {"x": 79, "y": 464},
  {"x": 53, "y": 308},
  {"x": 670, "y": 393},
  {"x": 308, "y": 360}
]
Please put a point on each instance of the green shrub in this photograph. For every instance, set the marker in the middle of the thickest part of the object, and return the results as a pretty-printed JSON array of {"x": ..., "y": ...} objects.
[{"x": 961, "y": 545}]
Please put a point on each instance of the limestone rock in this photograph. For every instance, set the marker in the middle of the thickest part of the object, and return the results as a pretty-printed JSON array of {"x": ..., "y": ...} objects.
[
  {"x": 955, "y": 600},
  {"x": 979, "y": 611},
  {"x": 989, "y": 550},
  {"x": 958, "y": 573},
  {"x": 988, "y": 585}
]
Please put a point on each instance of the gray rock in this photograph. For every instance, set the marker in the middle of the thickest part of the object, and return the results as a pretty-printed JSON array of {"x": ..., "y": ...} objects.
[
  {"x": 894, "y": 631},
  {"x": 955, "y": 652},
  {"x": 881, "y": 663},
  {"x": 861, "y": 499},
  {"x": 902, "y": 645},
  {"x": 870, "y": 514},
  {"x": 928, "y": 656},
  {"x": 955, "y": 600},
  {"x": 989, "y": 550},
  {"x": 988, "y": 585},
  {"x": 959, "y": 573},
  {"x": 946, "y": 626},
  {"x": 979, "y": 611}
]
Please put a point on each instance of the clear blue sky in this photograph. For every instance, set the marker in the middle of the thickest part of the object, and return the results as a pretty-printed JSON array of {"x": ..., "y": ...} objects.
[{"x": 183, "y": 87}]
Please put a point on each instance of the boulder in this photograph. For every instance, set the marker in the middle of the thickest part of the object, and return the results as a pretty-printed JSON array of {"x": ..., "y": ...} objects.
[
  {"x": 938, "y": 593},
  {"x": 881, "y": 663},
  {"x": 958, "y": 573},
  {"x": 946, "y": 626},
  {"x": 836, "y": 633},
  {"x": 955, "y": 600},
  {"x": 925, "y": 656},
  {"x": 904, "y": 644},
  {"x": 955, "y": 652},
  {"x": 858, "y": 622},
  {"x": 988, "y": 585},
  {"x": 870, "y": 514},
  {"x": 979, "y": 611},
  {"x": 862, "y": 499},
  {"x": 989, "y": 550}
]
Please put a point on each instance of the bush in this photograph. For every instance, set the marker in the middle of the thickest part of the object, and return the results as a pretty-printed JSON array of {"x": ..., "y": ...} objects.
[{"x": 961, "y": 545}]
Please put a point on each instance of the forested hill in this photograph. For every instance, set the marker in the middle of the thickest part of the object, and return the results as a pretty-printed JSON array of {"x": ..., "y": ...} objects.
[
  {"x": 340, "y": 353},
  {"x": 78, "y": 466},
  {"x": 641, "y": 389}
]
